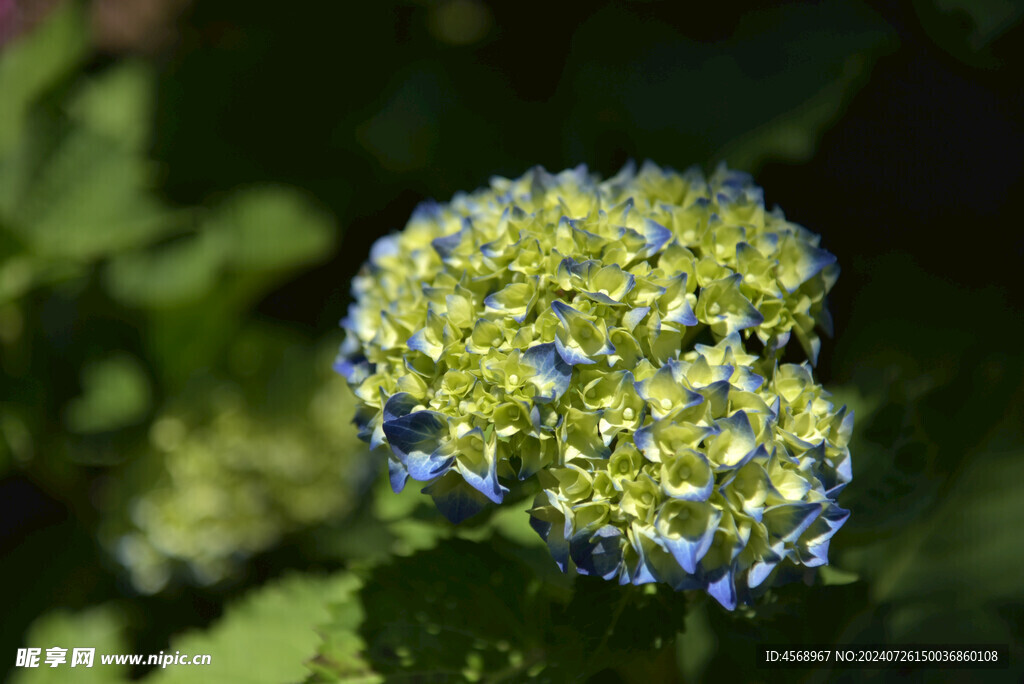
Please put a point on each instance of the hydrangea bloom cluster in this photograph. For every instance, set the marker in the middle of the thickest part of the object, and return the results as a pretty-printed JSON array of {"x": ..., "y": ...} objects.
[
  {"x": 619, "y": 340},
  {"x": 218, "y": 492}
]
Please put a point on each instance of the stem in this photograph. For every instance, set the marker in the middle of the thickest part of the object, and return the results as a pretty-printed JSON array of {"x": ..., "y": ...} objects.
[
  {"x": 513, "y": 670},
  {"x": 619, "y": 607}
]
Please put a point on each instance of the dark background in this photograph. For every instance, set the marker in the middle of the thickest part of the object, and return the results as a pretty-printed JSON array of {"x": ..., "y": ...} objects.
[{"x": 894, "y": 131}]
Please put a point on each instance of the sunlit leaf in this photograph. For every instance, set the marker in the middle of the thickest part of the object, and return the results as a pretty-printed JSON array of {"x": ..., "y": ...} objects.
[
  {"x": 34, "y": 63},
  {"x": 273, "y": 227},
  {"x": 116, "y": 393},
  {"x": 117, "y": 103},
  {"x": 265, "y": 637},
  {"x": 171, "y": 274},
  {"x": 101, "y": 627}
]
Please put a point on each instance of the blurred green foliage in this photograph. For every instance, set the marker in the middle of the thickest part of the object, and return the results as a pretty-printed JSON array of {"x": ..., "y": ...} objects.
[
  {"x": 220, "y": 482},
  {"x": 173, "y": 445},
  {"x": 100, "y": 627}
]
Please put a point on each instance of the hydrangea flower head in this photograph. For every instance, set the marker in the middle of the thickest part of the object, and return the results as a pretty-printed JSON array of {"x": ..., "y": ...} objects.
[{"x": 620, "y": 341}]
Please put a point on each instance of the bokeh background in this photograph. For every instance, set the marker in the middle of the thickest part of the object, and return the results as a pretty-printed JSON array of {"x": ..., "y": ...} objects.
[{"x": 186, "y": 189}]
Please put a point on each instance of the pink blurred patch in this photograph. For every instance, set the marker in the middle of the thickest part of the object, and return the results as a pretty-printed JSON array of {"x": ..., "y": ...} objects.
[{"x": 6, "y": 19}]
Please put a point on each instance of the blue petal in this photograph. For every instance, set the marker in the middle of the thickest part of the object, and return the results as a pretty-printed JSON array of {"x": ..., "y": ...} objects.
[
  {"x": 814, "y": 555},
  {"x": 484, "y": 480},
  {"x": 758, "y": 452},
  {"x": 760, "y": 570},
  {"x": 811, "y": 261},
  {"x": 376, "y": 437},
  {"x": 718, "y": 394},
  {"x": 682, "y": 315},
  {"x": 563, "y": 311},
  {"x": 557, "y": 542},
  {"x": 843, "y": 475},
  {"x": 789, "y": 521},
  {"x": 571, "y": 356},
  {"x": 601, "y": 298},
  {"x": 656, "y": 235},
  {"x": 578, "y": 268},
  {"x": 364, "y": 416},
  {"x": 541, "y": 180},
  {"x": 398, "y": 405},
  {"x": 398, "y": 474},
  {"x": 632, "y": 318},
  {"x": 657, "y": 565},
  {"x": 415, "y": 439},
  {"x": 846, "y": 426},
  {"x": 644, "y": 438},
  {"x": 667, "y": 374},
  {"x": 496, "y": 248},
  {"x": 813, "y": 547},
  {"x": 455, "y": 498},
  {"x": 642, "y": 574},
  {"x": 447, "y": 244},
  {"x": 418, "y": 342},
  {"x": 721, "y": 586},
  {"x": 598, "y": 553},
  {"x": 486, "y": 483},
  {"x": 688, "y": 552},
  {"x": 748, "y": 380},
  {"x": 427, "y": 210},
  {"x": 552, "y": 373},
  {"x": 354, "y": 370},
  {"x": 384, "y": 247},
  {"x": 831, "y": 519},
  {"x": 494, "y": 301}
]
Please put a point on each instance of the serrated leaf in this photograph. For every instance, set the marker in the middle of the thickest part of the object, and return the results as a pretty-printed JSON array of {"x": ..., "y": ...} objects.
[
  {"x": 340, "y": 656},
  {"x": 457, "y": 607},
  {"x": 265, "y": 637},
  {"x": 477, "y": 611}
]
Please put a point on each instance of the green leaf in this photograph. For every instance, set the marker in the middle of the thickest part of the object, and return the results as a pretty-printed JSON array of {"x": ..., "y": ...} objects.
[
  {"x": 226, "y": 476},
  {"x": 171, "y": 274},
  {"x": 478, "y": 612},
  {"x": 81, "y": 196},
  {"x": 831, "y": 575},
  {"x": 117, "y": 103},
  {"x": 100, "y": 627},
  {"x": 455, "y": 611},
  {"x": 34, "y": 63},
  {"x": 696, "y": 647},
  {"x": 116, "y": 394},
  {"x": 266, "y": 637},
  {"x": 970, "y": 30},
  {"x": 768, "y": 91},
  {"x": 968, "y": 550},
  {"x": 273, "y": 227},
  {"x": 340, "y": 658},
  {"x": 793, "y": 136}
]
